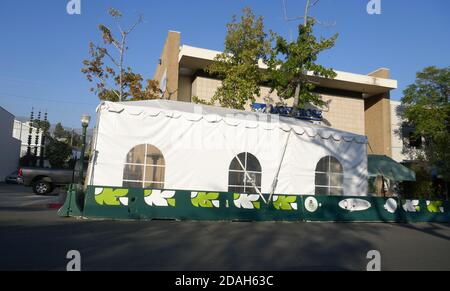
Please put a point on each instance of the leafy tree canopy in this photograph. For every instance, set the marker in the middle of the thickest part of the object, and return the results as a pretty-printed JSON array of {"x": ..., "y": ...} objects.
[
  {"x": 290, "y": 63},
  {"x": 70, "y": 137},
  {"x": 245, "y": 44},
  {"x": 58, "y": 153},
  {"x": 426, "y": 108}
]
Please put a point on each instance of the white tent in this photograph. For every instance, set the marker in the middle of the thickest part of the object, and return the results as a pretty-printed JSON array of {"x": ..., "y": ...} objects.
[{"x": 198, "y": 144}]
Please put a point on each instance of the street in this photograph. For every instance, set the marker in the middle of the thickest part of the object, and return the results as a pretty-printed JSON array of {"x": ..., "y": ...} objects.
[{"x": 33, "y": 237}]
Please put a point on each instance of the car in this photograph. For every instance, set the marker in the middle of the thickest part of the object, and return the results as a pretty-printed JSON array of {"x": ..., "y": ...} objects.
[
  {"x": 14, "y": 178},
  {"x": 44, "y": 180}
]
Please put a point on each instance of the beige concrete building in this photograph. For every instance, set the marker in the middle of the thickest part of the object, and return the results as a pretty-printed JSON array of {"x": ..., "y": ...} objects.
[{"x": 356, "y": 103}]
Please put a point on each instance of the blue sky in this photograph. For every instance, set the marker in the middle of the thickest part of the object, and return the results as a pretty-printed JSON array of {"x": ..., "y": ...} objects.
[{"x": 42, "y": 47}]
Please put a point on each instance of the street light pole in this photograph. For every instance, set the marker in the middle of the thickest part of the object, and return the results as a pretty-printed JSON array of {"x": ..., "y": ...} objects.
[{"x": 84, "y": 123}]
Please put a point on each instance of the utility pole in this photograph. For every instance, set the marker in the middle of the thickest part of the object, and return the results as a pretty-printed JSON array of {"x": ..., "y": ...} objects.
[
  {"x": 297, "y": 90},
  {"x": 36, "y": 139},
  {"x": 44, "y": 133},
  {"x": 30, "y": 137},
  {"x": 306, "y": 12}
]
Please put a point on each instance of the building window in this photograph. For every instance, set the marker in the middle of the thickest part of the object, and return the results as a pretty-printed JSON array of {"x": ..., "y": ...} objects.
[
  {"x": 238, "y": 180},
  {"x": 144, "y": 168},
  {"x": 329, "y": 177}
]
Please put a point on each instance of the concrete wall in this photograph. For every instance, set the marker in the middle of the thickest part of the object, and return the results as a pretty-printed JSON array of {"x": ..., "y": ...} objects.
[
  {"x": 168, "y": 65},
  {"x": 378, "y": 119},
  {"x": 10, "y": 147},
  {"x": 378, "y": 124},
  {"x": 184, "y": 88},
  {"x": 204, "y": 88},
  {"x": 343, "y": 113}
]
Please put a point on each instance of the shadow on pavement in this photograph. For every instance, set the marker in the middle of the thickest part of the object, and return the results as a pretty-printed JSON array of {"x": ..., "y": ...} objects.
[{"x": 170, "y": 245}]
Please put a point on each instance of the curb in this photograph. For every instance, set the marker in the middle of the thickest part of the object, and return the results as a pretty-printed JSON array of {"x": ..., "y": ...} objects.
[{"x": 55, "y": 205}]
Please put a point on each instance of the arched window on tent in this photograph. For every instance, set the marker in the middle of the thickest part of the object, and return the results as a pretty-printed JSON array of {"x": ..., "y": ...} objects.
[
  {"x": 144, "y": 168},
  {"x": 241, "y": 165},
  {"x": 329, "y": 177}
]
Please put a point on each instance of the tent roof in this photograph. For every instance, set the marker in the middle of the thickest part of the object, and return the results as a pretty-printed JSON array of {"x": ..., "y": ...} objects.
[
  {"x": 195, "y": 112},
  {"x": 385, "y": 166}
]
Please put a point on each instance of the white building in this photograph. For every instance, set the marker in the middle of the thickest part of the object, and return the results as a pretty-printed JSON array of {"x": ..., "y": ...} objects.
[
  {"x": 21, "y": 132},
  {"x": 9, "y": 146}
]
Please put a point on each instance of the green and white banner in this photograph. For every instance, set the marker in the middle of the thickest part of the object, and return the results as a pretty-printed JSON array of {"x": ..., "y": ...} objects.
[{"x": 147, "y": 204}]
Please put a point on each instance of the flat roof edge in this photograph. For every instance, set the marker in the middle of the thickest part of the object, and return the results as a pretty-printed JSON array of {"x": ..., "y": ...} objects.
[{"x": 207, "y": 54}]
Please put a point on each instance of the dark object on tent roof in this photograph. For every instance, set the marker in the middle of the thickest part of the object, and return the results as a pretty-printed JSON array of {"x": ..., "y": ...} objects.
[{"x": 387, "y": 167}]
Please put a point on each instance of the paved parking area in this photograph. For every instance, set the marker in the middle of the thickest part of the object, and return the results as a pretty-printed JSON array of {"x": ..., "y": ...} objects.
[
  {"x": 35, "y": 238},
  {"x": 12, "y": 196}
]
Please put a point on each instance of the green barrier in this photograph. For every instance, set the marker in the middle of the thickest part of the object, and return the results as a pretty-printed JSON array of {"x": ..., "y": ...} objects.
[
  {"x": 146, "y": 204},
  {"x": 74, "y": 203},
  {"x": 425, "y": 210},
  {"x": 338, "y": 208}
]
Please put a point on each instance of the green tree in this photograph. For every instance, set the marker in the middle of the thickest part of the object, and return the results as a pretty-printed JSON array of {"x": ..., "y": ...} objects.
[
  {"x": 59, "y": 131},
  {"x": 246, "y": 44},
  {"x": 106, "y": 67},
  {"x": 426, "y": 109},
  {"x": 290, "y": 64},
  {"x": 58, "y": 152},
  {"x": 68, "y": 136}
]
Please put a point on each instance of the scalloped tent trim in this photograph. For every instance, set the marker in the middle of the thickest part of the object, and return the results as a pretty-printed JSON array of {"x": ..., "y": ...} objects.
[{"x": 195, "y": 113}]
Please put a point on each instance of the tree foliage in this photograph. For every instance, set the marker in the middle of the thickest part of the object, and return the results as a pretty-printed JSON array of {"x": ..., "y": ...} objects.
[
  {"x": 28, "y": 160},
  {"x": 290, "y": 64},
  {"x": 70, "y": 137},
  {"x": 58, "y": 152},
  {"x": 426, "y": 108},
  {"x": 105, "y": 67},
  {"x": 245, "y": 44}
]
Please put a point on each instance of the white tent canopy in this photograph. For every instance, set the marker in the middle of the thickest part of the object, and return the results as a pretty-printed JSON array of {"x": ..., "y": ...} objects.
[{"x": 198, "y": 144}]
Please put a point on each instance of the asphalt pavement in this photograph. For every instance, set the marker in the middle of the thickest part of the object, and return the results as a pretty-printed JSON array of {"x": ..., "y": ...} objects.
[{"x": 33, "y": 237}]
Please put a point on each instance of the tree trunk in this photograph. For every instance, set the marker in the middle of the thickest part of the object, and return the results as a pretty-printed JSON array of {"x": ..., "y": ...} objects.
[
  {"x": 122, "y": 47},
  {"x": 296, "y": 101}
]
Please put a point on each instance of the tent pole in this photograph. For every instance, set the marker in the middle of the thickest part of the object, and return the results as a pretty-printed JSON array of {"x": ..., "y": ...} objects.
[
  {"x": 275, "y": 179},
  {"x": 250, "y": 178}
]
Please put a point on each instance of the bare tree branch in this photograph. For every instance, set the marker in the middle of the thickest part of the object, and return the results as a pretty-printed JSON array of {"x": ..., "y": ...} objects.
[
  {"x": 105, "y": 51},
  {"x": 139, "y": 21}
]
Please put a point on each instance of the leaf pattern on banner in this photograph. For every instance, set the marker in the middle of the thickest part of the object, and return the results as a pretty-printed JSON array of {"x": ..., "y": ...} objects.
[
  {"x": 411, "y": 205},
  {"x": 435, "y": 206},
  {"x": 247, "y": 201},
  {"x": 285, "y": 202},
  {"x": 205, "y": 199},
  {"x": 159, "y": 198},
  {"x": 111, "y": 197}
]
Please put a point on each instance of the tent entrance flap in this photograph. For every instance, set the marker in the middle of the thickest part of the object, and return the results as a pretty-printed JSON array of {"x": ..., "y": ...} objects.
[{"x": 379, "y": 165}]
